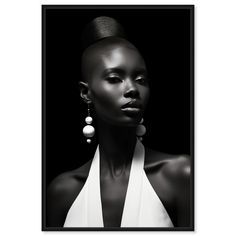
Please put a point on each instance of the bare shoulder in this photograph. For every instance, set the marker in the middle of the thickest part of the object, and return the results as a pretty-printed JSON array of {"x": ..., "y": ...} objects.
[
  {"x": 175, "y": 167},
  {"x": 62, "y": 192},
  {"x": 69, "y": 182},
  {"x": 170, "y": 177}
]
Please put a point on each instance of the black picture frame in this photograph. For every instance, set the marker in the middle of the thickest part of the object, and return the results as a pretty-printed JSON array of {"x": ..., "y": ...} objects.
[{"x": 165, "y": 36}]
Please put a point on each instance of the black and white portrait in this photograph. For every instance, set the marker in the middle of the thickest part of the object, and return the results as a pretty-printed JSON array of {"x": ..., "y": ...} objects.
[{"x": 118, "y": 110}]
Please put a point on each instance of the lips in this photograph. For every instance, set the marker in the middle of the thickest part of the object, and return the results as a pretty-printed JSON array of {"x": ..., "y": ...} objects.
[
  {"x": 132, "y": 104},
  {"x": 132, "y": 108}
]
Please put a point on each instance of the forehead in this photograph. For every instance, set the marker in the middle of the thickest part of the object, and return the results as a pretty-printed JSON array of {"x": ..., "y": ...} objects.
[
  {"x": 112, "y": 54},
  {"x": 120, "y": 56}
]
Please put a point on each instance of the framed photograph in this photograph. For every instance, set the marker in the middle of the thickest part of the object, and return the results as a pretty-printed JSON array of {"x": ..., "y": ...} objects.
[{"x": 118, "y": 117}]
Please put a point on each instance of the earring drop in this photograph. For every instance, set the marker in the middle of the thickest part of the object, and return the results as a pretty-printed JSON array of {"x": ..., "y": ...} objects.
[
  {"x": 88, "y": 130},
  {"x": 141, "y": 130}
]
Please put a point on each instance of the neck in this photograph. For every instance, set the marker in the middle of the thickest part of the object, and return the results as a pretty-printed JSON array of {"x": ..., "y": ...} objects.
[{"x": 116, "y": 145}]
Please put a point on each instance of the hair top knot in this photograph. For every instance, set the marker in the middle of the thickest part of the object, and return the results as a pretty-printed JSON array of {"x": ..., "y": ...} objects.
[{"x": 100, "y": 28}]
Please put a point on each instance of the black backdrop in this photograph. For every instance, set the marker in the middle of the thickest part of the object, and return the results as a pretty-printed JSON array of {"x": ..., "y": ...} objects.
[{"x": 163, "y": 36}]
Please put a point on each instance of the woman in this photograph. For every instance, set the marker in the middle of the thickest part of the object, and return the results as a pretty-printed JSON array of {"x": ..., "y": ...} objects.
[{"x": 125, "y": 185}]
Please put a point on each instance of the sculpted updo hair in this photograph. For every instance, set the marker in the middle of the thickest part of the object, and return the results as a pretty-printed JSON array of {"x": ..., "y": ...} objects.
[
  {"x": 100, "y": 28},
  {"x": 100, "y": 33}
]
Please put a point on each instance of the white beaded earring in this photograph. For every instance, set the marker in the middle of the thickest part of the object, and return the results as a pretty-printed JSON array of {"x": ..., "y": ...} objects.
[
  {"x": 141, "y": 130},
  {"x": 88, "y": 130}
]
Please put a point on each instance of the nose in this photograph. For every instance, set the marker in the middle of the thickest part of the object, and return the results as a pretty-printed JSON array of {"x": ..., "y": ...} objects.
[{"x": 131, "y": 89}]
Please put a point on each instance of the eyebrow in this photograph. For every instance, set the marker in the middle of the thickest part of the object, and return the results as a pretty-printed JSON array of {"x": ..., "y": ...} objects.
[
  {"x": 113, "y": 70},
  {"x": 119, "y": 70}
]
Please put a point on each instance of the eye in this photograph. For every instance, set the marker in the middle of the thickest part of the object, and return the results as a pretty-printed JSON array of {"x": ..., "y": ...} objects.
[
  {"x": 141, "y": 79},
  {"x": 113, "y": 78}
]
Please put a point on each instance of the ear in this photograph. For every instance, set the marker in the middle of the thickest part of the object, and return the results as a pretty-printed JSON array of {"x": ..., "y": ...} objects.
[{"x": 84, "y": 92}]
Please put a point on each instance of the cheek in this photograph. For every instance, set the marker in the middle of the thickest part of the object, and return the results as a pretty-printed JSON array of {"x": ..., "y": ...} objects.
[
  {"x": 145, "y": 93},
  {"x": 105, "y": 96}
]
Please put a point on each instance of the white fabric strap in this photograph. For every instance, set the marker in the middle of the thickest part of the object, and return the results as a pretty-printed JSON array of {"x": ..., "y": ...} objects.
[
  {"x": 142, "y": 207},
  {"x": 86, "y": 210},
  {"x": 131, "y": 209}
]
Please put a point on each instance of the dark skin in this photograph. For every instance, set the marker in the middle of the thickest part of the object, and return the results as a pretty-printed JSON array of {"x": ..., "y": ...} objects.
[{"x": 115, "y": 73}]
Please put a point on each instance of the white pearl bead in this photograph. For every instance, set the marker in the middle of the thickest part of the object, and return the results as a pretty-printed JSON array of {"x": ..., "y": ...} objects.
[
  {"x": 88, "y": 140},
  {"x": 141, "y": 130},
  {"x": 88, "y": 131},
  {"x": 89, "y": 120}
]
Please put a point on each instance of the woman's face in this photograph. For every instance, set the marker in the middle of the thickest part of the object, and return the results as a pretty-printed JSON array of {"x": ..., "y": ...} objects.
[{"x": 117, "y": 83}]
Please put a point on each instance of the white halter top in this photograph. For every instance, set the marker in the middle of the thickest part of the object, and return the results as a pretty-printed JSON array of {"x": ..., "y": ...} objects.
[{"x": 142, "y": 207}]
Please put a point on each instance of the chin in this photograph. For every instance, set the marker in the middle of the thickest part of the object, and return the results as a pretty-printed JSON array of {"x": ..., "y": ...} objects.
[
  {"x": 123, "y": 121},
  {"x": 130, "y": 122}
]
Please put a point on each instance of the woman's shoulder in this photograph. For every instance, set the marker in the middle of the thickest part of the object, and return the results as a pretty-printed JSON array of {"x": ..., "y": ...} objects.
[
  {"x": 172, "y": 166},
  {"x": 170, "y": 177},
  {"x": 62, "y": 192},
  {"x": 71, "y": 180}
]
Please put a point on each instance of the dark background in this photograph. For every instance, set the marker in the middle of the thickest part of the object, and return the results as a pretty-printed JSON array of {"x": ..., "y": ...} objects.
[{"x": 162, "y": 34}]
